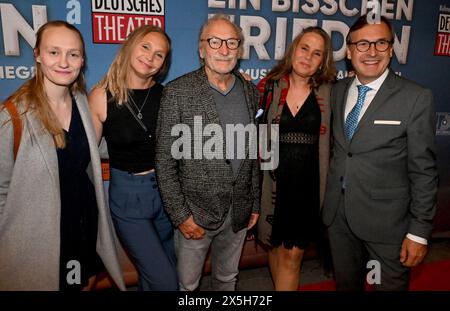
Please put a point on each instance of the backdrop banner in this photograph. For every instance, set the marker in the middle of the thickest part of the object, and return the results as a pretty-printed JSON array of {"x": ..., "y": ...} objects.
[{"x": 421, "y": 48}]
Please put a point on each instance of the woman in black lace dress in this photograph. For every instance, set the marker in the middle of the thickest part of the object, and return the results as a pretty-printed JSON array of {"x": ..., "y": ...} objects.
[{"x": 295, "y": 96}]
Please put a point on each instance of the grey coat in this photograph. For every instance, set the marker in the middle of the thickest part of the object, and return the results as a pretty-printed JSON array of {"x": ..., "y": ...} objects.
[
  {"x": 389, "y": 165},
  {"x": 30, "y": 206},
  {"x": 204, "y": 188}
]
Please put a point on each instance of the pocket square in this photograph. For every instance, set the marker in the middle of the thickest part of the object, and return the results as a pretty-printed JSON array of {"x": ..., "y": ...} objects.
[{"x": 387, "y": 122}]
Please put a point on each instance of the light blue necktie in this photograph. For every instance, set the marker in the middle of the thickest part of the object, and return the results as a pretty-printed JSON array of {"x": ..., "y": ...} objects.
[{"x": 352, "y": 117}]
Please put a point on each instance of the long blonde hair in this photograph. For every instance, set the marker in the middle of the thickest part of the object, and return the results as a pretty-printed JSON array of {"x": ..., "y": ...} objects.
[
  {"x": 32, "y": 96},
  {"x": 116, "y": 79},
  {"x": 326, "y": 71}
]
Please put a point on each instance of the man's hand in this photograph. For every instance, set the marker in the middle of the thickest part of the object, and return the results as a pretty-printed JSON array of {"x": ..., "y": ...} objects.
[
  {"x": 412, "y": 253},
  {"x": 253, "y": 219},
  {"x": 191, "y": 230}
]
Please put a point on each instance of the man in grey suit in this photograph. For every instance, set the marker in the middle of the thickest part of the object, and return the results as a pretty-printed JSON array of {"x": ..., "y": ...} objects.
[
  {"x": 211, "y": 200},
  {"x": 381, "y": 192}
]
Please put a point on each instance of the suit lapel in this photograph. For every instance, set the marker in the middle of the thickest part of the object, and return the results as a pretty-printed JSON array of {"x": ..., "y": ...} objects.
[
  {"x": 341, "y": 100},
  {"x": 248, "y": 94},
  {"x": 381, "y": 98},
  {"x": 207, "y": 99}
]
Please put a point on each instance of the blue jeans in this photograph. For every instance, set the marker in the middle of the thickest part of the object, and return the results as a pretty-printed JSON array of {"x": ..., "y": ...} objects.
[
  {"x": 226, "y": 249},
  {"x": 144, "y": 228}
]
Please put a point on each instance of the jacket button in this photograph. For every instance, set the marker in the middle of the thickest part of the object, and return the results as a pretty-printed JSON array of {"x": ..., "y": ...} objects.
[
  {"x": 227, "y": 161},
  {"x": 349, "y": 154}
]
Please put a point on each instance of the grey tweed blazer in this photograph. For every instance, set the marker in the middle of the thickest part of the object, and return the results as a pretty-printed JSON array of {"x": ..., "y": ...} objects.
[{"x": 204, "y": 188}]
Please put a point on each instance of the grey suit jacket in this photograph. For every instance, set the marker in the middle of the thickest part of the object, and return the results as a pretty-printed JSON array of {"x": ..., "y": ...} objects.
[
  {"x": 30, "y": 206},
  {"x": 390, "y": 170},
  {"x": 204, "y": 188}
]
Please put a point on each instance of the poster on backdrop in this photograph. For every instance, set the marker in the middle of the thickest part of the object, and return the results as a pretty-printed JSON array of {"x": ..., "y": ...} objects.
[{"x": 421, "y": 47}]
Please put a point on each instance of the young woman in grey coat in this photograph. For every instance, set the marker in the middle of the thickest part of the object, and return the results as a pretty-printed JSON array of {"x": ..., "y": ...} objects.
[{"x": 55, "y": 230}]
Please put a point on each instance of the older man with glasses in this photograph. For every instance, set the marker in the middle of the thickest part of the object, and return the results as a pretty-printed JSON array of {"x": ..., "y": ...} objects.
[
  {"x": 382, "y": 183},
  {"x": 212, "y": 201}
]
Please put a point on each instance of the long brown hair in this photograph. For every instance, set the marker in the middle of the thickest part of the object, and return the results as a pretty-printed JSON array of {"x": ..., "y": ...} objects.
[
  {"x": 32, "y": 96},
  {"x": 116, "y": 79},
  {"x": 326, "y": 71}
]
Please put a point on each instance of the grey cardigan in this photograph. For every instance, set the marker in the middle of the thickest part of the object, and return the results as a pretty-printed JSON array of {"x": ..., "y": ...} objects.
[{"x": 30, "y": 206}]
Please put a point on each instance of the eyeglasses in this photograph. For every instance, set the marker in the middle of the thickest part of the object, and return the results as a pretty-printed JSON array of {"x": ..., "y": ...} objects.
[
  {"x": 364, "y": 45},
  {"x": 215, "y": 43}
]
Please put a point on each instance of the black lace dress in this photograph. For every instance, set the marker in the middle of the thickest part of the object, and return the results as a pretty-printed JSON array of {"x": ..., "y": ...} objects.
[
  {"x": 297, "y": 210},
  {"x": 79, "y": 216}
]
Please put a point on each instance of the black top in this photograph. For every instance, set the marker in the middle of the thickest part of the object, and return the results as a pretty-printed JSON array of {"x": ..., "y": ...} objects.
[
  {"x": 307, "y": 120},
  {"x": 130, "y": 148},
  {"x": 79, "y": 216}
]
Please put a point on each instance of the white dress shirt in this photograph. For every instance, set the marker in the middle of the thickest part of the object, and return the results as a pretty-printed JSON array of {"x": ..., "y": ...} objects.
[{"x": 353, "y": 94}]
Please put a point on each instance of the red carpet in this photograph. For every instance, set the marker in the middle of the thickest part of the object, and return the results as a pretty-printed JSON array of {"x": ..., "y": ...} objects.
[{"x": 433, "y": 276}]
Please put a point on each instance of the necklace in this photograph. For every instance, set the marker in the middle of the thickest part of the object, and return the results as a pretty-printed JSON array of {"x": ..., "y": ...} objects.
[{"x": 139, "y": 115}]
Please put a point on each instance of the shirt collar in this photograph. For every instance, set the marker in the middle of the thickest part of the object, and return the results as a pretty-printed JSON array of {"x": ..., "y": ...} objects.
[
  {"x": 225, "y": 93},
  {"x": 376, "y": 84}
]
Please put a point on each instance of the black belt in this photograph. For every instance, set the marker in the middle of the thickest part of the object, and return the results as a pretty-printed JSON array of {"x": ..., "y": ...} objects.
[{"x": 299, "y": 138}]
